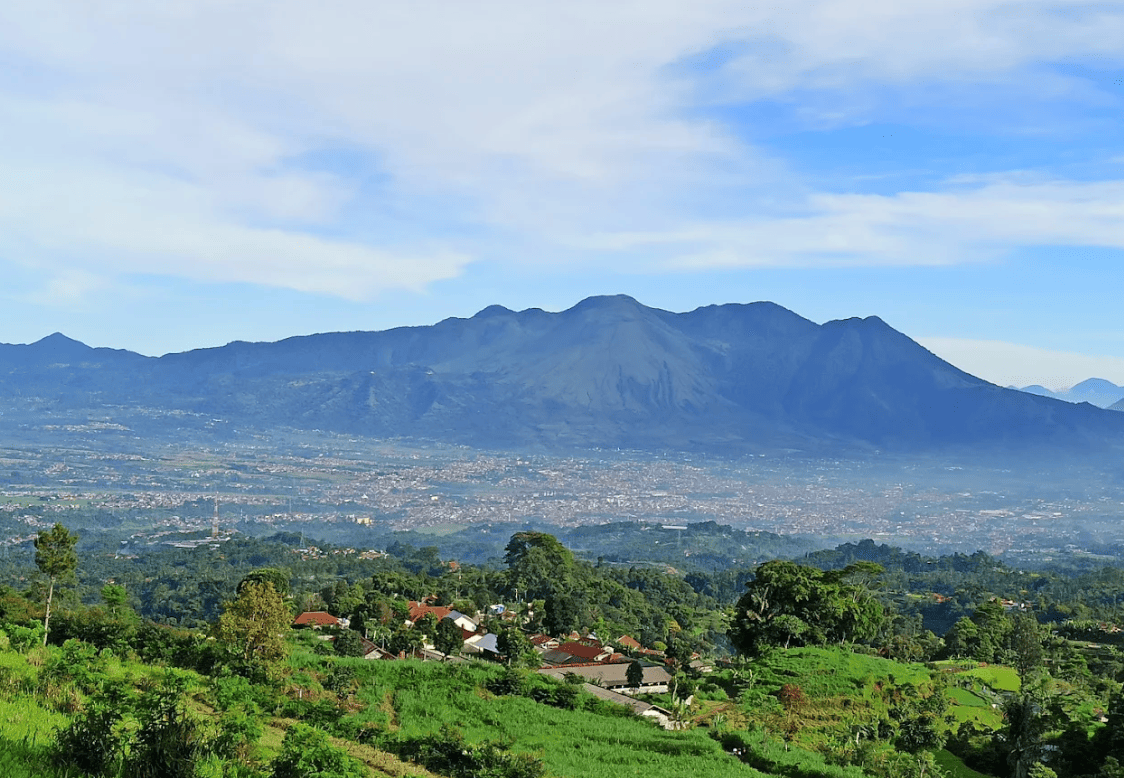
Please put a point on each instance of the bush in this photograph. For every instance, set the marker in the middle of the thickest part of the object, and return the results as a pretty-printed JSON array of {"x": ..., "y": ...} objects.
[
  {"x": 78, "y": 663},
  {"x": 349, "y": 643},
  {"x": 233, "y": 692},
  {"x": 306, "y": 752},
  {"x": 318, "y": 713},
  {"x": 24, "y": 638},
  {"x": 513, "y": 683},
  {"x": 169, "y": 741},
  {"x": 95, "y": 626},
  {"x": 341, "y": 680},
  {"x": 92, "y": 742},
  {"x": 448, "y": 753},
  {"x": 238, "y": 734}
]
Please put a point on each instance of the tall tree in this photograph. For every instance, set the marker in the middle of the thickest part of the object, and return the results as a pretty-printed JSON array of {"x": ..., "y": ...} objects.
[
  {"x": 538, "y": 566},
  {"x": 254, "y": 624},
  {"x": 55, "y": 558}
]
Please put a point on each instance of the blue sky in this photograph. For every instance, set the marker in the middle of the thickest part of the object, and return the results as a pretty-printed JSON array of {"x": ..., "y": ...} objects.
[{"x": 183, "y": 174}]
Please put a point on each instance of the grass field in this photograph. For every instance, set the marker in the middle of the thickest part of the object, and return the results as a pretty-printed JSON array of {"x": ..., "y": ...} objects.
[
  {"x": 425, "y": 696},
  {"x": 1003, "y": 679},
  {"x": 408, "y": 700},
  {"x": 954, "y": 768},
  {"x": 26, "y": 732}
]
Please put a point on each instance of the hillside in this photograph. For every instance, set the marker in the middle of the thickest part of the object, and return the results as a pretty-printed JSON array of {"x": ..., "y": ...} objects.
[{"x": 609, "y": 372}]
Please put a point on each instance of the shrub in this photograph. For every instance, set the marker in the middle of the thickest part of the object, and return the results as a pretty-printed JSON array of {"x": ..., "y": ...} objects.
[
  {"x": 306, "y": 752},
  {"x": 341, "y": 680},
  {"x": 238, "y": 734},
  {"x": 448, "y": 753},
  {"x": 24, "y": 638},
  {"x": 169, "y": 741},
  {"x": 92, "y": 741},
  {"x": 348, "y": 643},
  {"x": 231, "y": 692},
  {"x": 791, "y": 696},
  {"x": 513, "y": 683}
]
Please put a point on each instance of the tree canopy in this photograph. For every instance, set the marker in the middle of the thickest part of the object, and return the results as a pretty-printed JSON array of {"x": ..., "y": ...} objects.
[
  {"x": 254, "y": 624},
  {"x": 787, "y": 604}
]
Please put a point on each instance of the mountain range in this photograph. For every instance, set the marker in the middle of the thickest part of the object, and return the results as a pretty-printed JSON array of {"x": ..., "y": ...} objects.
[
  {"x": 608, "y": 372},
  {"x": 1096, "y": 391}
]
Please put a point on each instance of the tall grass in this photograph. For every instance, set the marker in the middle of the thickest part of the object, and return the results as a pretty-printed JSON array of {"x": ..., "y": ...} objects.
[{"x": 26, "y": 734}]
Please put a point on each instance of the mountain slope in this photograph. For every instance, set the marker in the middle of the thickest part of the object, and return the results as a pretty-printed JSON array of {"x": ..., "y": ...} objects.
[{"x": 607, "y": 372}]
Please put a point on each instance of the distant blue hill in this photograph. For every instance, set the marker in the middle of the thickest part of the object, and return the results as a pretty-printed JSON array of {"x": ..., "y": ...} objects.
[
  {"x": 1095, "y": 391},
  {"x": 609, "y": 372}
]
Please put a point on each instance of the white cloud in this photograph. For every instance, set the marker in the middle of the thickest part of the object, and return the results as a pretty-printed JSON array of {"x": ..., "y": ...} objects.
[
  {"x": 971, "y": 220},
  {"x": 1012, "y": 364},
  {"x": 176, "y": 138}
]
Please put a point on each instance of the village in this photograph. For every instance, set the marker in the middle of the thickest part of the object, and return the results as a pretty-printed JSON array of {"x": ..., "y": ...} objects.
[{"x": 615, "y": 670}]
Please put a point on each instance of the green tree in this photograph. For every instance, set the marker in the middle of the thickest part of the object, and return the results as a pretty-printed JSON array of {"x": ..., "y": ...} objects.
[
  {"x": 115, "y": 597},
  {"x": 448, "y": 638},
  {"x": 277, "y": 576},
  {"x": 1026, "y": 646},
  {"x": 405, "y": 639},
  {"x": 791, "y": 604},
  {"x": 1022, "y": 734},
  {"x": 564, "y": 613},
  {"x": 963, "y": 639},
  {"x": 538, "y": 566},
  {"x": 634, "y": 674},
  {"x": 254, "y": 624},
  {"x": 348, "y": 643},
  {"x": 55, "y": 558},
  {"x": 516, "y": 647}
]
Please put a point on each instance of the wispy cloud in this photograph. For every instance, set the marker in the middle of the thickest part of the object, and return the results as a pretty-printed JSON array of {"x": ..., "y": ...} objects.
[
  {"x": 971, "y": 220},
  {"x": 1014, "y": 364}
]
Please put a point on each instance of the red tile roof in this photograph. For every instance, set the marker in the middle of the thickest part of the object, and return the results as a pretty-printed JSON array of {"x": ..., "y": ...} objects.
[
  {"x": 316, "y": 619},
  {"x": 419, "y": 612},
  {"x": 582, "y": 651}
]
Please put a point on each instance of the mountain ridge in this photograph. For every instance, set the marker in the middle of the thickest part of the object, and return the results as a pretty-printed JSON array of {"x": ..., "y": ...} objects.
[{"x": 609, "y": 371}]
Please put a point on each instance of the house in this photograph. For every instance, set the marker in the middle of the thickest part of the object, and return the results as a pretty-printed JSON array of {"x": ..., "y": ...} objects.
[
  {"x": 575, "y": 653},
  {"x": 419, "y": 611},
  {"x": 543, "y": 642},
  {"x": 462, "y": 621},
  {"x": 485, "y": 644},
  {"x": 627, "y": 641},
  {"x": 661, "y": 716},
  {"x": 318, "y": 619},
  {"x": 701, "y": 665},
  {"x": 633, "y": 647},
  {"x": 615, "y": 677}
]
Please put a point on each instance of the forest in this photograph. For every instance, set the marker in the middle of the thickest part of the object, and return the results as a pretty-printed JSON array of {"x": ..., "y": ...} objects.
[{"x": 863, "y": 660}]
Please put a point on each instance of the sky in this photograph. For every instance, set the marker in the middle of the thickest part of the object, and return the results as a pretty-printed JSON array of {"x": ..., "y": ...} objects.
[{"x": 183, "y": 174}]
